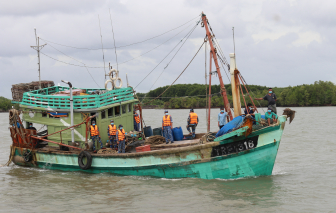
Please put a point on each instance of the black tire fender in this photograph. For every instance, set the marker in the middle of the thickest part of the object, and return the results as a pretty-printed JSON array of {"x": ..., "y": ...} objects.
[{"x": 81, "y": 156}]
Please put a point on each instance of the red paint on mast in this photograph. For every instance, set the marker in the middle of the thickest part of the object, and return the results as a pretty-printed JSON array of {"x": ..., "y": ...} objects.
[
  {"x": 209, "y": 91},
  {"x": 213, "y": 51}
]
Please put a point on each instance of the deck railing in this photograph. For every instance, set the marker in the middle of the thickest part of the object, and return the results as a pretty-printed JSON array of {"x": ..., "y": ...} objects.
[{"x": 46, "y": 98}]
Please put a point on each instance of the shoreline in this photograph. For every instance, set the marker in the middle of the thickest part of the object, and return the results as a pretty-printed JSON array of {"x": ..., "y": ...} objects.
[{"x": 152, "y": 107}]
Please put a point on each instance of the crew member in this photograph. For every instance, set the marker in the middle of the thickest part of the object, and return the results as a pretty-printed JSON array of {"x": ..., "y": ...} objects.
[
  {"x": 112, "y": 131},
  {"x": 192, "y": 122},
  {"x": 271, "y": 98},
  {"x": 271, "y": 117},
  {"x": 95, "y": 136},
  {"x": 250, "y": 109},
  {"x": 222, "y": 118},
  {"x": 31, "y": 126},
  {"x": 136, "y": 121},
  {"x": 121, "y": 139},
  {"x": 167, "y": 126}
]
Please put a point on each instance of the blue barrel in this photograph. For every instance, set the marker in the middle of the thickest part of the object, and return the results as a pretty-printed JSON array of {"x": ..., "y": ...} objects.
[
  {"x": 157, "y": 131},
  {"x": 178, "y": 133},
  {"x": 148, "y": 131}
]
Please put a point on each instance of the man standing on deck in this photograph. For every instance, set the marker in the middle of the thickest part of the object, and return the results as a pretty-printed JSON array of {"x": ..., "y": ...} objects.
[
  {"x": 222, "y": 118},
  {"x": 136, "y": 121},
  {"x": 167, "y": 126},
  {"x": 192, "y": 122},
  {"x": 121, "y": 139},
  {"x": 112, "y": 131},
  {"x": 95, "y": 136},
  {"x": 271, "y": 98}
]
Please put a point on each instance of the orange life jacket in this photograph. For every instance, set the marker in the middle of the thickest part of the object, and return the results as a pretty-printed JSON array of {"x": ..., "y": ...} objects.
[
  {"x": 112, "y": 129},
  {"x": 136, "y": 118},
  {"x": 166, "y": 121},
  {"x": 121, "y": 134},
  {"x": 94, "y": 130},
  {"x": 193, "y": 118}
]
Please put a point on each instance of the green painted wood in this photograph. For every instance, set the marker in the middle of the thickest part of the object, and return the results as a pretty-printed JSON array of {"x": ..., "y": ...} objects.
[
  {"x": 238, "y": 132},
  {"x": 184, "y": 163},
  {"x": 45, "y": 99}
]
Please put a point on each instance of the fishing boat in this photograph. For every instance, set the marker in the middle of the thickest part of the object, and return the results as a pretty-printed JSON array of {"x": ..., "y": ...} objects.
[{"x": 245, "y": 151}]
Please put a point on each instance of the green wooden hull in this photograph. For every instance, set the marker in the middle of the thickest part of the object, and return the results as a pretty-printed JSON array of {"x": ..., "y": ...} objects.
[{"x": 186, "y": 162}]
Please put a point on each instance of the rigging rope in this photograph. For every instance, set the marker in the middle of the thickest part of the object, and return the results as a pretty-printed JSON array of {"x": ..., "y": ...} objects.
[
  {"x": 191, "y": 31},
  {"x": 174, "y": 55},
  {"x": 84, "y": 48},
  {"x": 180, "y": 73},
  {"x": 114, "y": 64},
  {"x": 73, "y": 59}
]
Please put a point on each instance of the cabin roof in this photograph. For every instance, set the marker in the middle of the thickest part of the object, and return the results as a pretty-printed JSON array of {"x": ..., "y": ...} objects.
[{"x": 58, "y": 97}]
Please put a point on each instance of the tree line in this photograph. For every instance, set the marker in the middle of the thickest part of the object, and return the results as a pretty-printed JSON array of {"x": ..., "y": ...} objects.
[
  {"x": 321, "y": 93},
  {"x": 5, "y": 104}
]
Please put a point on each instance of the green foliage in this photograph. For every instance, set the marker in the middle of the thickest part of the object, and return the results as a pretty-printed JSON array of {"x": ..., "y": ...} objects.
[
  {"x": 5, "y": 104},
  {"x": 321, "y": 93}
]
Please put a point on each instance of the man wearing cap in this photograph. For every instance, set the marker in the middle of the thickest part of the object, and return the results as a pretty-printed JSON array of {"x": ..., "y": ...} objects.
[
  {"x": 271, "y": 98},
  {"x": 112, "y": 131},
  {"x": 136, "y": 121},
  {"x": 121, "y": 139},
  {"x": 222, "y": 118},
  {"x": 95, "y": 136},
  {"x": 192, "y": 122},
  {"x": 167, "y": 126},
  {"x": 271, "y": 117}
]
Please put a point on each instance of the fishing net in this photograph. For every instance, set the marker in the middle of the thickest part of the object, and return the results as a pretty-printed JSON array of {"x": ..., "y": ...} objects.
[{"x": 155, "y": 140}]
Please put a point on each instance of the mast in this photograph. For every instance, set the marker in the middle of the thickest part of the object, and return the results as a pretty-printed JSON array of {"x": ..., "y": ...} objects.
[
  {"x": 214, "y": 55},
  {"x": 209, "y": 91},
  {"x": 235, "y": 85},
  {"x": 38, "y": 48}
]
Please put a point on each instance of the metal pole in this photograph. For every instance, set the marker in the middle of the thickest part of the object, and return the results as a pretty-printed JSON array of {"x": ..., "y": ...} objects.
[
  {"x": 72, "y": 116},
  {"x": 71, "y": 112},
  {"x": 38, "y": 56}
]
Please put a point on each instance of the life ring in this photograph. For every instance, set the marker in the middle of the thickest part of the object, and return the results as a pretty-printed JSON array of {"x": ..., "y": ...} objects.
[
  {"x": 106, "y": 82},
  {"x": 115, "y": 76},
  {"x": 120, "y": 83},
  {"x": 84, "y": 160}
]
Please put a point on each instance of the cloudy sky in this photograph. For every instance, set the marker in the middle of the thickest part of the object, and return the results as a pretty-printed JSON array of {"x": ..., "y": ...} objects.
[{"x": 278, "y": 43}]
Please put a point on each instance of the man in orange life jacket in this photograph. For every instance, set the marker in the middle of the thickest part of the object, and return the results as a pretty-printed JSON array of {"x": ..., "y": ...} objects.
[
  {"x": 121, "y": 139},
  {"x": 192, "y": 122},
  {"x": 167, "y": 126},
  {"x": 136, "y": 121},
  {"x": 95, "y": 136},
  {"x": 111, "y": 132}
]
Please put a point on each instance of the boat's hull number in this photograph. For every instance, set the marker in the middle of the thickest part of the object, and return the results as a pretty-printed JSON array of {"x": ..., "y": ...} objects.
[{"x": 234, "y": 147}]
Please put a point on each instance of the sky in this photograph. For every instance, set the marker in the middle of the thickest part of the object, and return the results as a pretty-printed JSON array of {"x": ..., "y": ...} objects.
[{"x": 277, "y": 43}]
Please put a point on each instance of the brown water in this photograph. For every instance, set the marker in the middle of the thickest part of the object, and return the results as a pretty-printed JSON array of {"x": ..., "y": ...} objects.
[{"x": 303, "y": 179}]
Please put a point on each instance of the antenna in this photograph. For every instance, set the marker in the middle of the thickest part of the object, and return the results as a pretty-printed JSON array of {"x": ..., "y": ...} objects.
[
  {"x": 115, "y": 48},
  {"x": 101, "y": 39},
  {"x": 234, "y": 47},
  {"x": 38, "y": 48}
]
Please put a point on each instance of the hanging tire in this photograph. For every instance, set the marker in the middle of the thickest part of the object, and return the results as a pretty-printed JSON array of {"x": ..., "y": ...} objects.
[
  {"x": 84, "y": 160},
  {"x": 27, "y": 156}
]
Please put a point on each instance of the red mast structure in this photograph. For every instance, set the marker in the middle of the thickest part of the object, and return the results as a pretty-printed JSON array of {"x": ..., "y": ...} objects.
[{"x": 213, "y": 53}]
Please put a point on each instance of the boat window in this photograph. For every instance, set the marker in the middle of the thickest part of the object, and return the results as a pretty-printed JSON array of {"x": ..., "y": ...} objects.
[
  {"x": 44, "y": 114},
  {"x": 110, "y": 112},
  {"x": 129, "y": 107},
  {"x": 103, "y": 114},
  {"x": 117, "y": 110},
  {"x": 123, "y": 109}
]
